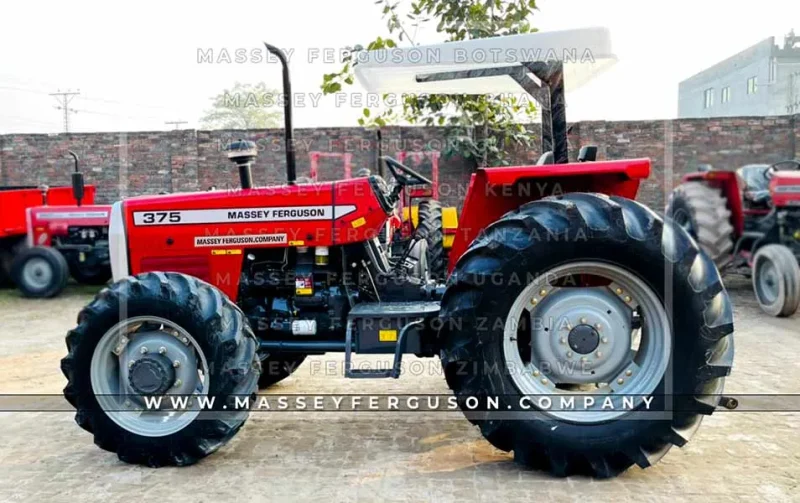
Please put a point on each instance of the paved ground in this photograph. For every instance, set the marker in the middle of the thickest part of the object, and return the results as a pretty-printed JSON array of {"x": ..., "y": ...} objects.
[{"x": 337, "y": 457}]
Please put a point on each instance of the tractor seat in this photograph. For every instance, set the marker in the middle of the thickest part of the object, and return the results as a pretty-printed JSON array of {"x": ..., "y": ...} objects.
[{"x": 755, "y": 185}]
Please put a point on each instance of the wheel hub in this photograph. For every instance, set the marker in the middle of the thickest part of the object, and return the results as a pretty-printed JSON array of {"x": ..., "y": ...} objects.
[
  {"x": 583, "y": 339},
  {"x": 151, "y": 375}
]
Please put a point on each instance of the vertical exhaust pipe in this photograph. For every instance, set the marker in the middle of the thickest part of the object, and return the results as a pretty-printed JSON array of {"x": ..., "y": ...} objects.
[
  {"x": 291, "y": 167},
  {"x": 243, "y": 153}
]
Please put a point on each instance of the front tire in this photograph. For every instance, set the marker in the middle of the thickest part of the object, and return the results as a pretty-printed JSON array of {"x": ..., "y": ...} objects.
[
  {"x": 40, "y": 272},
  {"x": 178, "y": 337},
  {"x": 614, "y": 234},
  {"x": 776, "y": 280}
]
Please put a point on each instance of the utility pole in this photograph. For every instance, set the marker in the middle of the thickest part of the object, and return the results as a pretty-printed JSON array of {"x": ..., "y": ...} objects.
[
  {"x": 63, "y": 104},
  {"x": 177, "y": 124}
]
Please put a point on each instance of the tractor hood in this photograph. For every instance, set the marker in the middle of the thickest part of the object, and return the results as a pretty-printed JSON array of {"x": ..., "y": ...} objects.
[{"x": 785, "y": 188}]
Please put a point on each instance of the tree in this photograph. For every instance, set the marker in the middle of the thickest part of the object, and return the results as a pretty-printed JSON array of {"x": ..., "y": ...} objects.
[
  {"x": 245, "y": 106},
  {"x": 484, "y": 127}
]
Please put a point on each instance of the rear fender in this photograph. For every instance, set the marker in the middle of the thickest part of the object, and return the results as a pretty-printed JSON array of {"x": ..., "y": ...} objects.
[{"x": 494, "y": 192}]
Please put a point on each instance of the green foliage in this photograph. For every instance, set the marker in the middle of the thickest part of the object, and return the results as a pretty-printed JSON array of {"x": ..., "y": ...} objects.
[
  {"x": 245, "y": 106},
  {"x": 483, "y": 127}
]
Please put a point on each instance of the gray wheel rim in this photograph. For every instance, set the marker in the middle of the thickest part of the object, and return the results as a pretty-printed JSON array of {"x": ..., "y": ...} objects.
[
  {"x": 767, "y": 281},
  {"x": 121, "y": 347},
  {"x": 626, "y": 363},
  {"x": 37, "y": 273}
]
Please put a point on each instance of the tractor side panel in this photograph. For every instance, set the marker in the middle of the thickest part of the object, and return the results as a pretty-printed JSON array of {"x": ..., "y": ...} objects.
[
  {"x": 206, "y": 234},
  {"x": 49, "y": 221},
  {"x": 494, "y": 192},
  {"x": 728, "y": 183}
]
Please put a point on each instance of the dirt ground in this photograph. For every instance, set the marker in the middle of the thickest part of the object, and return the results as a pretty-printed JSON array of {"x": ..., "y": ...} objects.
[{"x": 44, "y": 456}]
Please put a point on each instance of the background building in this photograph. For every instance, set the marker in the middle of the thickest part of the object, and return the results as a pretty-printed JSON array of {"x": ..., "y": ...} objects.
[{"x": 761, "y": 80}]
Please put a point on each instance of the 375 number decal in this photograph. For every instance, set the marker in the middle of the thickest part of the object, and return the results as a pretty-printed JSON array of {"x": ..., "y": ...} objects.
[{"x": 158, "y": 217}]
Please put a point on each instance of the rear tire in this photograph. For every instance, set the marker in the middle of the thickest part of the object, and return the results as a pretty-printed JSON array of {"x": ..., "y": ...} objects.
[
  {"x": 776, "y": 280},
  {"x": 430, "y": 228},
  {"x": 40, "y": 272},
  {"x": 275, "y": 369},
  {"x": 542, "y": 236},
  {"x": 218, "y": 333},
  {"x": 703, "y": 212}
]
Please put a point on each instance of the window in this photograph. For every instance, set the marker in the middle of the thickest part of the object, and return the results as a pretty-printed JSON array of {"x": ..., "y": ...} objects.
[
  {"x": 752, "y": 85},
  {"x": 726, "y": 95},
  {"x": 708, "y": 98}
]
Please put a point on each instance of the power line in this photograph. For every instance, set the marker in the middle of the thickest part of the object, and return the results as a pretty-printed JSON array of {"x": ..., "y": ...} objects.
[{"x": 64, "y": 98}]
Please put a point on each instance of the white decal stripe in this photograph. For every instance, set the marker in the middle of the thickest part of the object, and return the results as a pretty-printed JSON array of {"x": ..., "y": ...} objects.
[{"x": 71, "y": 214}]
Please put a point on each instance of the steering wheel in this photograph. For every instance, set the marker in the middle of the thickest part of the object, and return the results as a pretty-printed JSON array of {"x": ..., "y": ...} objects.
[
  {"x": 404, "y": 175},
  {"x": 769, "y": 172}
]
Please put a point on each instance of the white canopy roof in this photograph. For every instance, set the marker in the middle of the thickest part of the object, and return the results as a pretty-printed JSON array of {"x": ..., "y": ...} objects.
[{"x": 585, "y": 52}]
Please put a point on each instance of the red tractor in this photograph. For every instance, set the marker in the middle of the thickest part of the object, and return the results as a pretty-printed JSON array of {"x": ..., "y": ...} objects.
[
  {"x": 49, "y": 234},
  {"x": 580, "y": 331},
  {"x": 748, "y": 221}
]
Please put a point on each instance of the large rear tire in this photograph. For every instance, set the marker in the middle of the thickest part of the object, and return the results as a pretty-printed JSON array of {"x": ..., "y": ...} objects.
[
  {"x": 683, "y": 310},
  {"x": 776, "y": 280},
  {"x": 703, "y": 212},
  {"x": 96, "y": 275},
  {"x": 160, "y": 335},
  {"x": 430, "y": 228},
  {"x": 40, "y": 272},
  {"x": 275, "y": 369}
]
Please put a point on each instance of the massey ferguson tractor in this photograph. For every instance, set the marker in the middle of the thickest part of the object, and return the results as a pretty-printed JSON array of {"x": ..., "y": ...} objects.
[
  {"x": 580, "y": 331},
  {"x": 49, "y": 234},
  {"x": 748, "y": 221}
]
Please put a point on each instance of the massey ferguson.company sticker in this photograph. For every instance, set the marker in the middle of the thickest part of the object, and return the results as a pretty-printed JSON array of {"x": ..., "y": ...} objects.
[
  {"x": 233, "y": 215},
  {"x": 251, "y": 239}
]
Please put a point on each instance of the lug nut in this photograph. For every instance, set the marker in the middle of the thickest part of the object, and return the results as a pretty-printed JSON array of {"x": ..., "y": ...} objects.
[
  {"x": 605, "y": 340},
  {"x": 619, "y": 291},
  {"x": 562, "y": 340},
  {"x": 535, "y": 373},
  {"x": 620, "y": 381},
  {"x": 144, "y": 350},
  {"x": 162, "y": 350},
  {"x": 127, "y": 403},
  {"x": 583, "y": 359},
  {"x": 176, "y": 364},
  {"x": 534, "y": 300},
  {"x": 598, "y": 326},
  {"x": 185, "y": 340},
  {"x": 599, "y": 354},
  {"x": 130, "y": 364},
  {"x": 545, "y": 381},
  {"x": 629, "y": 373},
  {"x": 628, "y": 298},
  {"x": 542, "y": 292},
  {"x": 178, "y": 383},
  {"x": 569, "y": 354},
  {"x": 583, "y": 320}
]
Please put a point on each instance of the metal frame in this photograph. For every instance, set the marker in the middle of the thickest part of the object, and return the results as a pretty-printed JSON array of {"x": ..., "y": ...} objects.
[{"x": 549, "y": 93}]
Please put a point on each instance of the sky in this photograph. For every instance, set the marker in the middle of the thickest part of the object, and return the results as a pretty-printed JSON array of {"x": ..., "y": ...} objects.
[{"x": 136, "y": 64}]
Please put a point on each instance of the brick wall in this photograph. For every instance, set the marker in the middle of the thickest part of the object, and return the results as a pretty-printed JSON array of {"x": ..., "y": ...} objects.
[{"x": 126, "y": 164}]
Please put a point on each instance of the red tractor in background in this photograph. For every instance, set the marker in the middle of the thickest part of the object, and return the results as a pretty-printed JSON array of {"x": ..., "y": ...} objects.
[
  {"x": 578, "y": 330},
  {"x": 48, "y": 234},
  {"x": 748, "y": 221}
]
